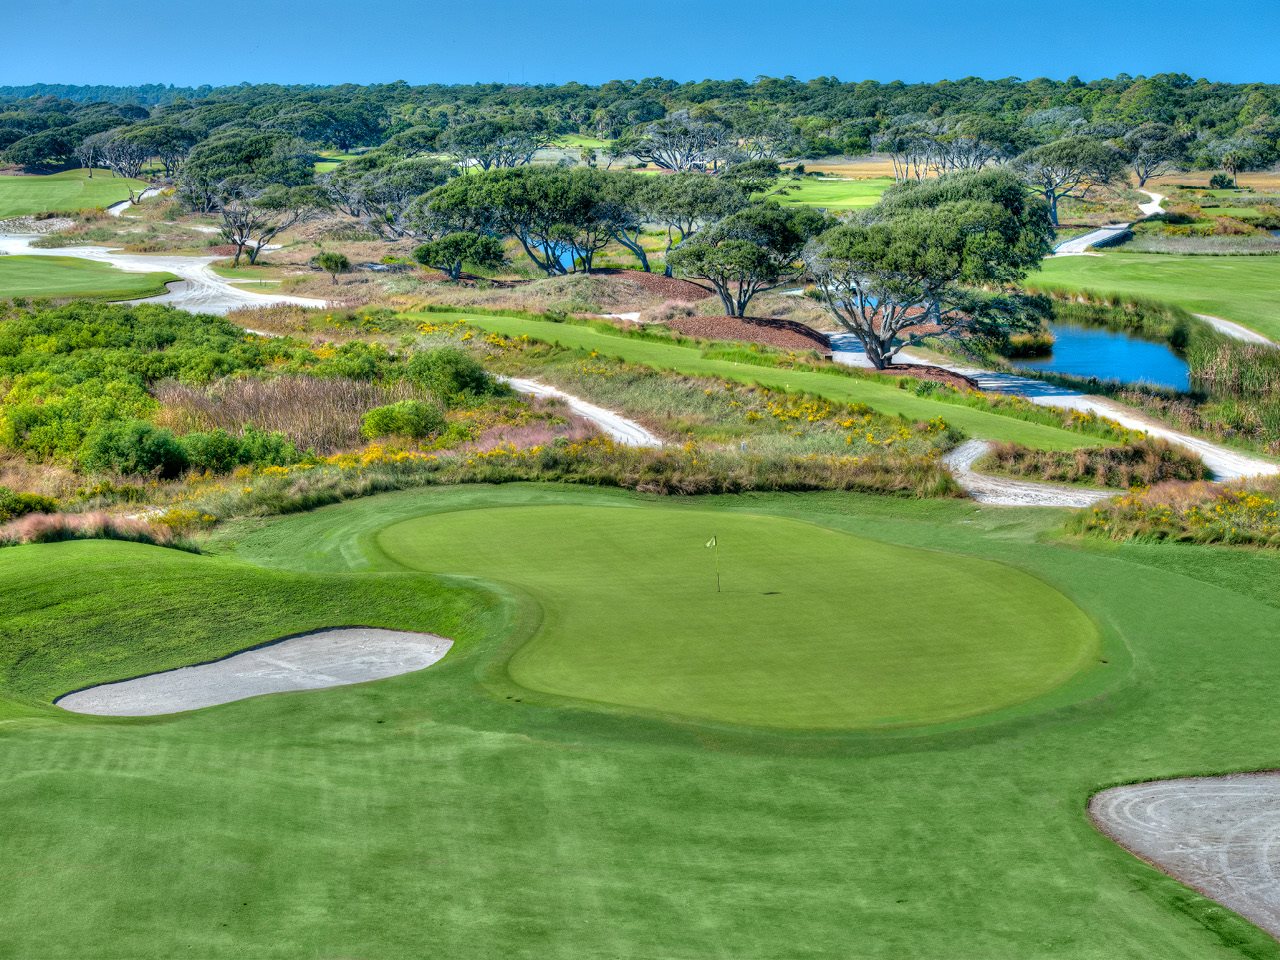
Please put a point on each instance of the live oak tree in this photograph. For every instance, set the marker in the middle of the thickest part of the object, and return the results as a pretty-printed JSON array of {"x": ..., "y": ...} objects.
[
  {"x": 1154, "y": 149},
  {"x": 253, "y": 216},
  {"x": 754, "y": 250},
  {"x": 380, "y": 190},
  {"x": 915, "y": 264},
  {"x": 333, "y": 263},
  {"x": 1069, "y": 168},
  {"x": 450, "y": 252},
  {"x": 685, "y": 203}
]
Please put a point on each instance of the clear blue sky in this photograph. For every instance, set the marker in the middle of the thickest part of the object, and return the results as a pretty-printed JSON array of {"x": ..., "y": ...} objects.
[{"x": 363, "y": 41}]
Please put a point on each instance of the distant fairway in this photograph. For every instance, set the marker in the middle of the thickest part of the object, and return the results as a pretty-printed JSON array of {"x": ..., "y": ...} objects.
[
  {"x": 834, "y": 194},
  {"x": 63, "y": 192},
  {"x": 22, "y": 276},
  {"x": 633, "y": 617},
  {"x": 1243, "y": 289}
]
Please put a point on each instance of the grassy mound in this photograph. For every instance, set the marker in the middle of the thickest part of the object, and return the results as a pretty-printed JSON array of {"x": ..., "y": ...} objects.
[
  {"x": 631, "y": 616},
  {"x": 39, "y": 276}
]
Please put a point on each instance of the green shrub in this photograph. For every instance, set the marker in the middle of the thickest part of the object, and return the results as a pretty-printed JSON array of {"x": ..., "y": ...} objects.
[
  {"x": 408, "y": 418},
  {"x": 453, "y": 375},
  {"x": 133, "y": 447},
  {"x": 14, "y": 504},
  {"x": 1220, "y": 181},
  {"x": 218, "y": 451}
]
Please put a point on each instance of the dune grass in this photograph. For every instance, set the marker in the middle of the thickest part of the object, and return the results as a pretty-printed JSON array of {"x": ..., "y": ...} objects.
[
  {"x": 66, "y": 192},
  {"x": 882, "y": 395},
  {"x": 1236, "y": 288},
  {"x": 39, "y": 276},
  {"x": 454, "y": 813},
  {"x": 638, "y": 620}
]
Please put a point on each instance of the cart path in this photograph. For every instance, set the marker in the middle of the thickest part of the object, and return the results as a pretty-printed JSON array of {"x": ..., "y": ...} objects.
[
  {"x": 1010, "y": 492},
  {"x": 619, "y": 428}
]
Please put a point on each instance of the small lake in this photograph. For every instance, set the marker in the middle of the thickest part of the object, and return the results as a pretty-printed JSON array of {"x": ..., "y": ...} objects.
[{"x": 1110, "y": 355}]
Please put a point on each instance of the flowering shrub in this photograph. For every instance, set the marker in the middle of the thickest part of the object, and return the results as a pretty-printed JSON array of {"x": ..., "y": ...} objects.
[{"x": 1190, "y": 512}]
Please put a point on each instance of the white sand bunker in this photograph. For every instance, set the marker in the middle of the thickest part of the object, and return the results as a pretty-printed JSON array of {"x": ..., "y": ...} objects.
[
  {"x": 1216, "y": 834},
  {"x": 325, "y": 658}
]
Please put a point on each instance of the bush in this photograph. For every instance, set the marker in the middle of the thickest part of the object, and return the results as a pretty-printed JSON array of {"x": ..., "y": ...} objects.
[
  {"x": 408, "y": 418},
  {"x": 218, "y": 451},
  {"x": 452, "y": 375},
  {"x": 133, "y": 447},
  {"x": 14, "y": 504},
  {"x": 1220, "y": 181}
]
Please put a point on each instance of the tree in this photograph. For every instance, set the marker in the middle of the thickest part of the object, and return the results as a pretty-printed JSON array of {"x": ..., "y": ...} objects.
[
  {"x": 495, "y": 144},
  {"x": 123, "y": 154},
  {"x": 754, "y": 250},
  {"x": 685, "y": 203},
  {"x": 1068, "y": 168},
  {"x": 910, "y": 267},
  {"x": 681, "y": 143},
  {"x": 333, "y": 263},
  {"x": 262, "y": 158},
  {"x": 254, "y": 216},
  {"x": 380, "y": 190},
  {"x": 1234, "y": 154},
  {"x": 1154, "y": 149},
  {"x": 167, "y": 143},
  {"x": 450, "y": 252}
]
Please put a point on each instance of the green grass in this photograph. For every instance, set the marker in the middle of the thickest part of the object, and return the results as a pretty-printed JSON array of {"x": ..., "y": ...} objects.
[
  {"x": 39, "y": 276},
  {"x": 332, "y": 159},
  {"x": 882, "y": 396},
  {"x": 579, "y": 141},
  {"x": 1237, "y": 288},
  {"x": 454, "y": 813},
  {"x": 835, "y": 194},
  {"x": 980, "y": 638},
  {"x": 1240, "y": 213},
  {"x": 63, "y": 192}
]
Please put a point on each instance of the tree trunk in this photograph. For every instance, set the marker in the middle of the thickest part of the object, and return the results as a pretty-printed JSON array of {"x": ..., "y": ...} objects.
[{"x": 1053, "y": 208}]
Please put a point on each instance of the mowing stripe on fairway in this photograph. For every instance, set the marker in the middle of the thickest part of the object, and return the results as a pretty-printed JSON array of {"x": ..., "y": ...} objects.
[{"x": 885, "y": 397}]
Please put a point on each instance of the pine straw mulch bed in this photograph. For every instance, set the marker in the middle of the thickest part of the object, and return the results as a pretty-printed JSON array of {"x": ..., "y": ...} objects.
[{"x": 783, "y": 334}]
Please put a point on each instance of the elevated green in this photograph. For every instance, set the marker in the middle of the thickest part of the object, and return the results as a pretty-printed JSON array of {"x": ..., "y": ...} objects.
[
  {"x": 38, "y": 276},
  {"x": 66, "y": 192},
  {"x": 452, "y": 813},
  {"x": 1236, "y": 288},
  {"x": 881, "y": 394},
  {"x": 634, "y": 617}
]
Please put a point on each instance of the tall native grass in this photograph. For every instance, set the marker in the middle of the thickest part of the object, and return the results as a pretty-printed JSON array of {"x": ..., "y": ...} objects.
[{"x": 1140, "y": 463}]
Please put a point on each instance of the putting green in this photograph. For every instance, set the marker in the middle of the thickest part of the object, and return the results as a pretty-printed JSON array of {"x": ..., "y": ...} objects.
[{"x": 813, "y": 629}]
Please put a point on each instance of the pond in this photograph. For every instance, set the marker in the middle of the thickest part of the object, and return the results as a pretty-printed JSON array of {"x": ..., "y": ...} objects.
[{"x": 1111, "y": 355}]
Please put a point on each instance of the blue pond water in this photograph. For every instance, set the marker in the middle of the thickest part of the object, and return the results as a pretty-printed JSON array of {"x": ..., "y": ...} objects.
[{"x": 1108, "y": 355}]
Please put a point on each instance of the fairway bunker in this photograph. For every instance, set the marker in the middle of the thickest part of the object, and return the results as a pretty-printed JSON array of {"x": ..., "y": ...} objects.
[
  {"x": 311, "y": 661},
  {"x": 1215, "y": 834}
]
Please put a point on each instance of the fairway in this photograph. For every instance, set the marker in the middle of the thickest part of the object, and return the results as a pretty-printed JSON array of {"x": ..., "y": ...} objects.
[
  {"x": 65, "y": 192},
  {"x": 632, "y": 616},
  {"x": 882, "y": 394},
  {"x": 835, "y": 194},
  {"x": 22, "y": 276},
  {"x": 1243, "y": 289}
]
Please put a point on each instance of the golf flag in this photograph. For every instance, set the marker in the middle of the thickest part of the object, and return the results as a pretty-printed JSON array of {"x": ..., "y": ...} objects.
[{"x": 711, "y": 543}]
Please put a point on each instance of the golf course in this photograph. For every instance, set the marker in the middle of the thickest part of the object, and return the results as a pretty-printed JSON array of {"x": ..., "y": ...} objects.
[
  {"x": 898, "y": 757},
  {"x": 22, "y": 276},
  {"x": 1237, "y": 288},
  {"x": 69, "y": 191}
]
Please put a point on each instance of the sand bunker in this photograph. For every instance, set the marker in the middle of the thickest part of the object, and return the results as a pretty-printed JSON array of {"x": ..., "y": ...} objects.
[
  {"x": 1216, "y": 834},
  {"x": 326, "y": 658}
]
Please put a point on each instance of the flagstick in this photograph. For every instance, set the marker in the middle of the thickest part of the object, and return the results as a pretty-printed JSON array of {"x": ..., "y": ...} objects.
[{"x": 717, "y": 553}]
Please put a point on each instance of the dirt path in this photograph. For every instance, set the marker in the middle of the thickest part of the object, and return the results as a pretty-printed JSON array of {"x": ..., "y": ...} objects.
[
  {"x": 1080, "y": 246},
  {"x": 118, "y": 209},
  {"x": 624, "y": 431},
  {"x": 1226, "y": 463},
  {"x": 325, "y": 658},
  {"x": 1218, "y": 835},
  {"x": 1010, "y": 492},
  {"x": 199, "y": 291}
]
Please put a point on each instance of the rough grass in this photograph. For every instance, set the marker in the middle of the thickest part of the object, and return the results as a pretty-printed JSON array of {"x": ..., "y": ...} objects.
[
  {"x": 1142, "y": 462},
  {"x": 259, "y": 829}
]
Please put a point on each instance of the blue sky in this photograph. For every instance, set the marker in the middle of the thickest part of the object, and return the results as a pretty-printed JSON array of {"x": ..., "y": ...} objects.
[{"x": 362, "y": 41}]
